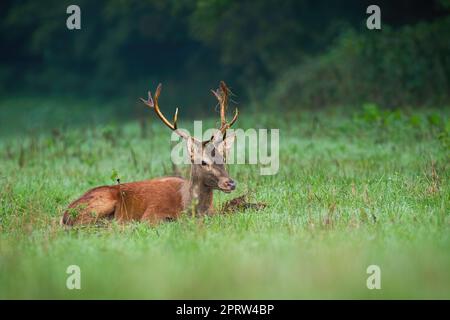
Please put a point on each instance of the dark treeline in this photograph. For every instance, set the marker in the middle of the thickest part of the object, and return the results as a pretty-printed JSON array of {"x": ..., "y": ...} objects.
[{"x": 301, "y": 52}]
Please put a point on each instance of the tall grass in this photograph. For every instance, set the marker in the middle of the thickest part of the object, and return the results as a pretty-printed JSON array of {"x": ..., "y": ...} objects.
[{"x": 355, "y": 188}]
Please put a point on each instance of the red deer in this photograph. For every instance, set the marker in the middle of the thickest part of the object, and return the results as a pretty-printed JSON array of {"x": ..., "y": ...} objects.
[{"x": 164, "y": 198}]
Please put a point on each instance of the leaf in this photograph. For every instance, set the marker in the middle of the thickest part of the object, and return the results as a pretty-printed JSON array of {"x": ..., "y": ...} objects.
[{"x": 114, "y": 175}]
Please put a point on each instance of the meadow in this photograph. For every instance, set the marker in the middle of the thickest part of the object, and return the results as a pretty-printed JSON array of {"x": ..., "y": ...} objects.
[{"x": 355, "y": 187}]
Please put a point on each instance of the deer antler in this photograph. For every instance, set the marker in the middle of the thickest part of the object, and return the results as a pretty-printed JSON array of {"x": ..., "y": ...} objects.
[
  {"x": 153, "y": 104},
  {"x": 222, "y": 95}
]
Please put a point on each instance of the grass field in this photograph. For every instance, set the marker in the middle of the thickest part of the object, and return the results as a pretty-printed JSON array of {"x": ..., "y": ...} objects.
[{"x": 355, "y": 188}]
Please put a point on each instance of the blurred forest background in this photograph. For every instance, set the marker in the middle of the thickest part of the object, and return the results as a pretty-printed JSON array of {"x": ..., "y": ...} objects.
[{"x": 294, "y": 53}]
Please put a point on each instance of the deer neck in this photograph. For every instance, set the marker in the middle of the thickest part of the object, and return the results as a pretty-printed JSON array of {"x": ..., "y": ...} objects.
[{"x": 198, "y": 194}]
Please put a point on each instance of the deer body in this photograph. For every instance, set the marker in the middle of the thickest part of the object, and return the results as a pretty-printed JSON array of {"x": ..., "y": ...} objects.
[
  {"x": 154, "y": 200},
  {"x": 164, "y": 198}
]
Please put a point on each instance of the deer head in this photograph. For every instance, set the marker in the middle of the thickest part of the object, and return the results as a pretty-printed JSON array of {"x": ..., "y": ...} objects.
[{"x": 207, "y": 157}]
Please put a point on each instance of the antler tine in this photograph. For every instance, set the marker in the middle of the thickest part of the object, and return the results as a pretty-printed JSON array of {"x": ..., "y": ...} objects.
[
  {"x": 222, "y": 95},
  {"x": 158, "y": 111},
  {"x": 223, "y": 103},
  {"x": 236, "y": 114},
  {"x": 153, "y": 103},
  {"x": 175, "y": 118}
]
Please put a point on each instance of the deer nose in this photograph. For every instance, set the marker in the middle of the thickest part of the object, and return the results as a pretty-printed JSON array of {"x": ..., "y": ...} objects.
[{"x": 231, "y": 184}]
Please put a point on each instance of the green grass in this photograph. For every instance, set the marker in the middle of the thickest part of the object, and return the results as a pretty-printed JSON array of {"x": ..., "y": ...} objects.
[{"x": 353, "y": 189}]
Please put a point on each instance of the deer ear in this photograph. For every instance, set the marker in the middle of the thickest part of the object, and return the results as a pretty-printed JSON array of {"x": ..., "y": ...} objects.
[
  {"x": 226, "y": 145},
  {"x": 217, "y": 137}
]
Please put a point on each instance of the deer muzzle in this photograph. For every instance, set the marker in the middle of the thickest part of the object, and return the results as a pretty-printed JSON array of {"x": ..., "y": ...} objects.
[{"x": 227, "y": 185}]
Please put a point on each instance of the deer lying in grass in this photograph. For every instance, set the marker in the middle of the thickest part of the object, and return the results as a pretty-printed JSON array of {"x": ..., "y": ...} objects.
[{"x": 164, "y": 198}]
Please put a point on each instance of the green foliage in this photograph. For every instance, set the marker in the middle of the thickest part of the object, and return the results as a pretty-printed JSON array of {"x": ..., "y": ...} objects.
[
  {"x": 393, "y": 68},
  {"x": 126, "y": 47},
  {"x": 371, "y": 113},
  {"x": 114, "y": 175},
  {"x": 121, "y": 49},
  {"x": 253, "y": 35},
  {"x": 444, "y": 136}
]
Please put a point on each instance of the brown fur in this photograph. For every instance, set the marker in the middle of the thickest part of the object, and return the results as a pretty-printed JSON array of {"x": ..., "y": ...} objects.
[{"x": 150, "y": 200}]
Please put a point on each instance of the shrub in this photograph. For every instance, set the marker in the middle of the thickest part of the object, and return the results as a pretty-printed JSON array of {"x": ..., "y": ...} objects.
[{"x": 394, "y": 68}]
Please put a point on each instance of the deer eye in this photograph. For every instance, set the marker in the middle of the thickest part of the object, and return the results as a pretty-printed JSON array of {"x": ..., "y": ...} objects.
[{"x": 204, "y": 163}]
